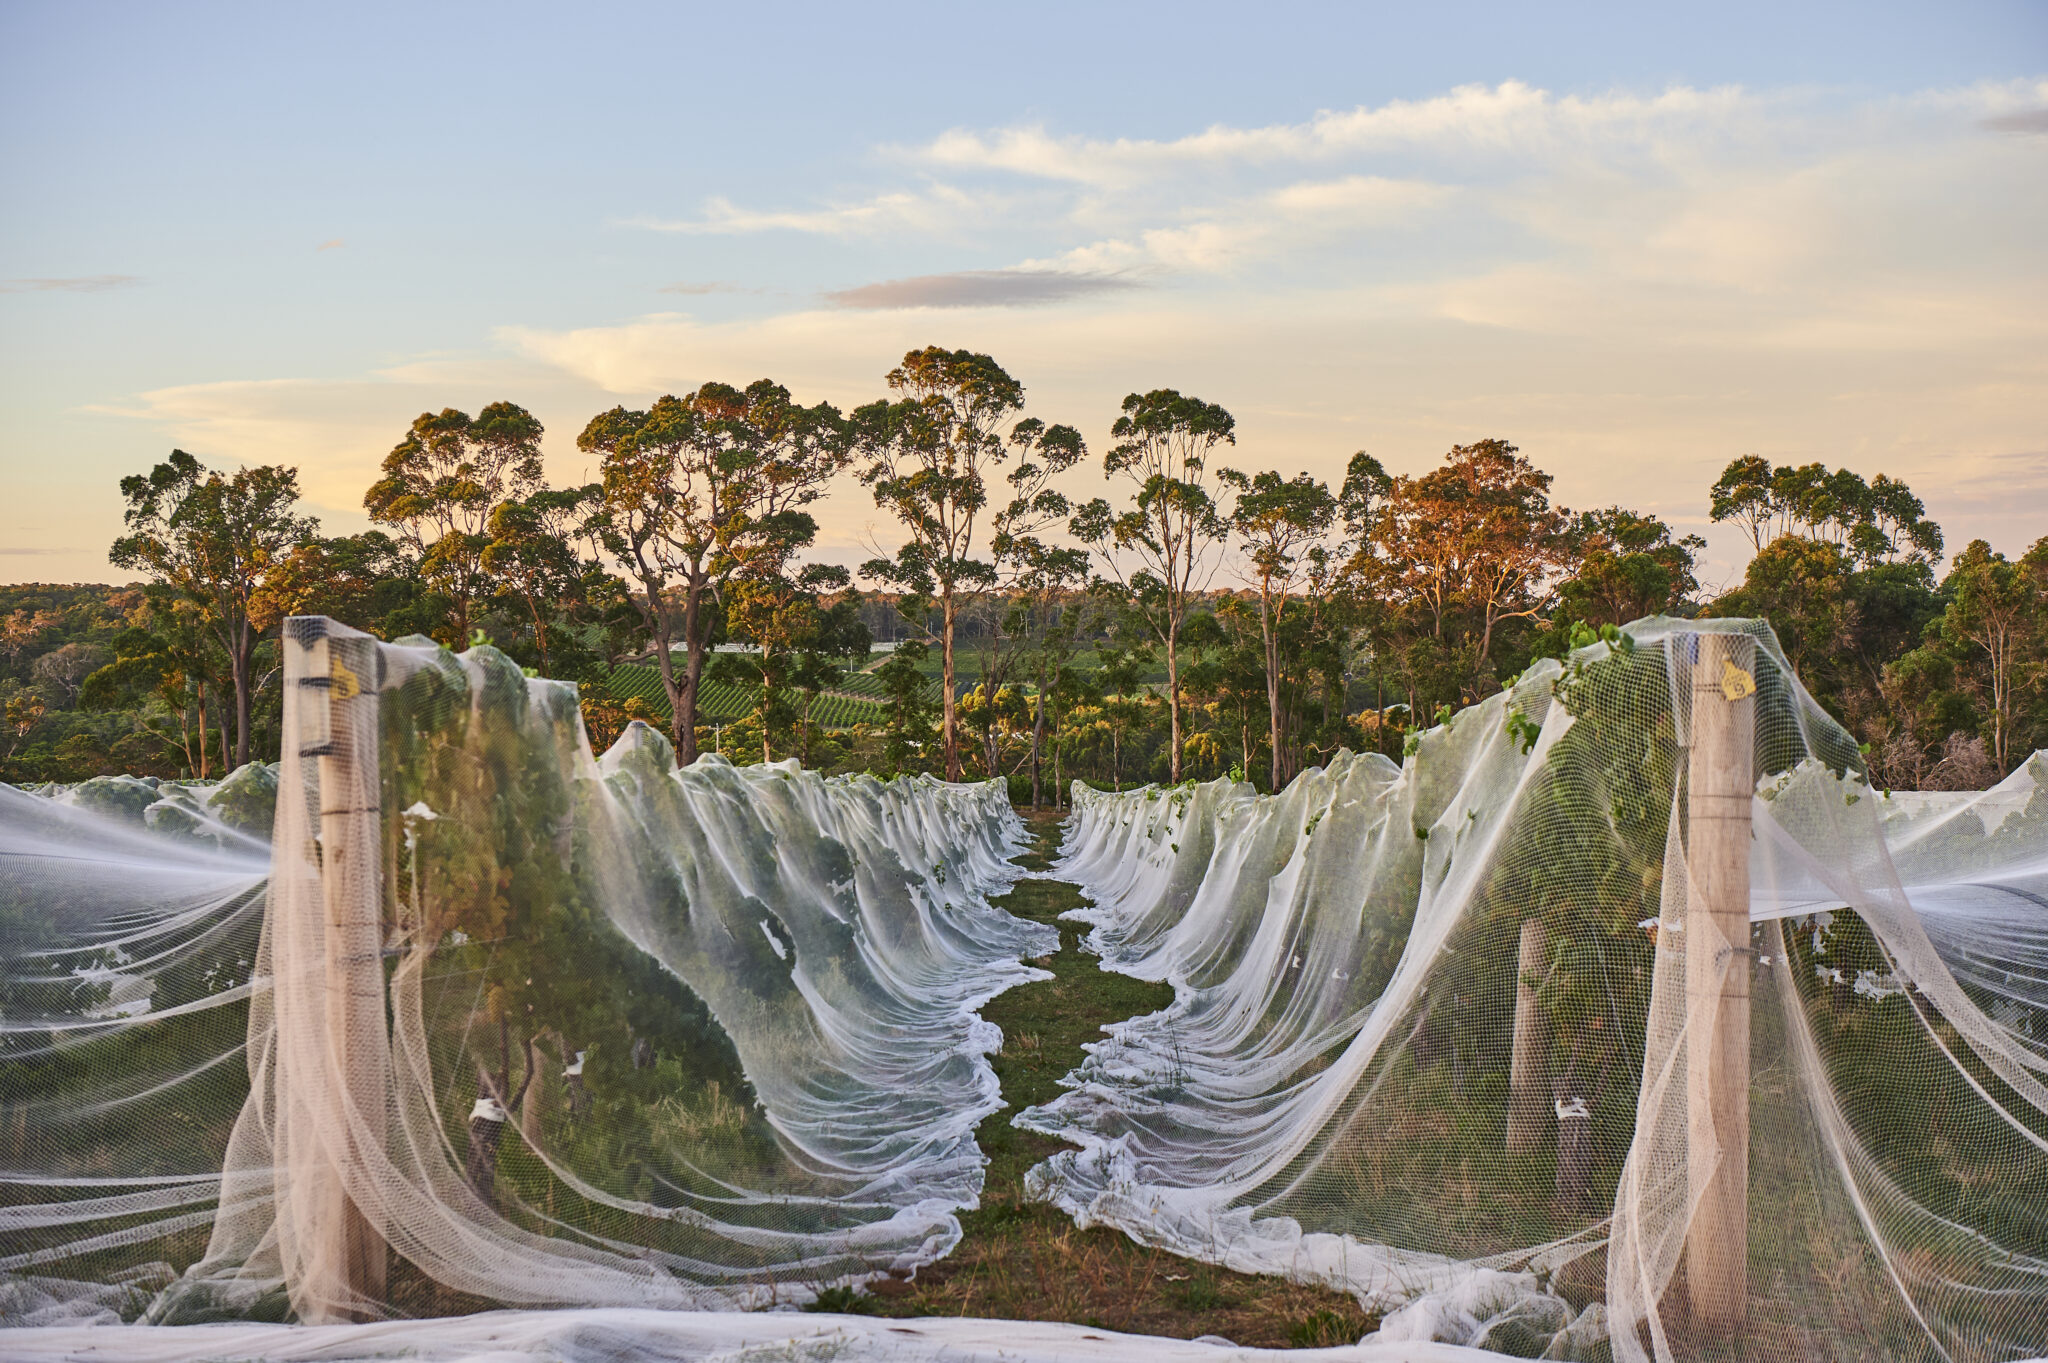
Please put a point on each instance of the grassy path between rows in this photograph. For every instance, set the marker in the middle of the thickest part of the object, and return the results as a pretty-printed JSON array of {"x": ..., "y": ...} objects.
[{"x": 1023, "y": 1260}]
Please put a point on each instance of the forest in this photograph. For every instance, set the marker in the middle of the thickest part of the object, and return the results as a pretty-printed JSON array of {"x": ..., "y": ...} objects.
[{"x": 1208, "y": 617}]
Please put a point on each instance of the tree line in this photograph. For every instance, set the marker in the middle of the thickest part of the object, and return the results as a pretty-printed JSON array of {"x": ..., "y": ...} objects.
[{"x": 1207, "y": 617}]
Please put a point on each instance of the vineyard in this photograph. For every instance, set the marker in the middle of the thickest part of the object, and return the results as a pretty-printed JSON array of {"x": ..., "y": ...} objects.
[{"x": 860, "y": 700}]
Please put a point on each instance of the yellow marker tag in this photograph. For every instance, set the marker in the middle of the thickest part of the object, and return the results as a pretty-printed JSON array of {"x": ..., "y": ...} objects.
[
  {"x": 347, "y": 687},
  {"x": 1736, "y": 683}
]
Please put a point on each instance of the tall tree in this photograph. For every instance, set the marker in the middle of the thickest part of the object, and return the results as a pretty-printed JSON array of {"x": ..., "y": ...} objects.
[
  {"x": 801, "y": 641},
  {"x": 1027, "y": 570},
  {"x": 1052, "y": 618},
  {"x": 441, "y": 485},
  {"x": 1996, "y": 609},
  {"x": 1458, "y": 552},
  {"x": 1164, "y": 442},
  {"x": 1880, "y": 521},
  {"x": 697, "y": 489},
  {"x": 532, "y": 554},
  {"x": 1628, "y": 566},
  {"x": 926, "y": 456},
  {"x": 1277, "y": 520},
  {"x": 212, "y": 539}
]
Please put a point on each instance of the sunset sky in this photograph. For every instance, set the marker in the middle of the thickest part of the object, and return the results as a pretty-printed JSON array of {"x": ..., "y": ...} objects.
[{"x": 1637, "y": 246}]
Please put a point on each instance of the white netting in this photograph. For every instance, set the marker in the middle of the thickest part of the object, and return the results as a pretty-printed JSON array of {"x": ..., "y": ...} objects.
[
  {"x": 1343, "y": 1091},
  {"x": 490, "y": 1022},
  {"x": 619, "y": 1335},
  {"x": 519, "y": 1027}
]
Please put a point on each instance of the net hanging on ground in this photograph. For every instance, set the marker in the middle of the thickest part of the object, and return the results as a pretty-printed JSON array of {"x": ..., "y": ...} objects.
[
  {"x": 489, "y": 1021},
  {"x": 1456, "y": 1035}
]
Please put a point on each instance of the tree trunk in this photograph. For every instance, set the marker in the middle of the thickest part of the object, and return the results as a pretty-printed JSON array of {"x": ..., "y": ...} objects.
[
  {"x": 1266, "y": 627},
  {"x": 657, "y": 623},
  {"x": 767, "y": 707},
  {"x": 1037, "y": 741},
  {"x": 693, "y": 674},
  {"x": 243, "y": 661},
  {"x": 1173, "y": 698},
  {"x": 540, "y": 633},
  {"x": 951, "y": 734}
]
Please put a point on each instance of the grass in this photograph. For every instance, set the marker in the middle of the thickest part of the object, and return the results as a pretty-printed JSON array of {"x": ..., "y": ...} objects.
[{"x": 1023, "y": 1260}]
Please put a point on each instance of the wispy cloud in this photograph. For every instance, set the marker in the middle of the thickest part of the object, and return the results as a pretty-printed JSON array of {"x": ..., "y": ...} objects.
[
  {"x": 933, "y": 208},
  {"x": 1229, "y": 235},
  {"x": 335, "y": 244},
  {"x": 980, "y": 289},
  {"x": 91, "y": 283},
  {"x": 1506, "y": 117},
  {"x": 700, "y": 289},
  {"x": 25, "y": 553}
]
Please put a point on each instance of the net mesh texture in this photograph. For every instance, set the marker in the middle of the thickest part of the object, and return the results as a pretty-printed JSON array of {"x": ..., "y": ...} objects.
[
  {"x": 1455, "y": 1035},
  {"x": 1621, "y": 1019}
]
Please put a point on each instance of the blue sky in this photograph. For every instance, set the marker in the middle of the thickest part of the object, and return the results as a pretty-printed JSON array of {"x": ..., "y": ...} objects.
[{"x": 1638, "y": 240}]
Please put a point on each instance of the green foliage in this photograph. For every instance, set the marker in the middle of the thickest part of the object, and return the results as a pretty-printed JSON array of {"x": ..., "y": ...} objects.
[{"x": 442, "y": 485}]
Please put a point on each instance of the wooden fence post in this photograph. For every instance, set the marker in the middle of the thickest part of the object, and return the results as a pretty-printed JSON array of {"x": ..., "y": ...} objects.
[
  {"x": 338, "y": 684},
  {"x": 1721, "y": 780},
  {"x": 1529, "y": 1100}
]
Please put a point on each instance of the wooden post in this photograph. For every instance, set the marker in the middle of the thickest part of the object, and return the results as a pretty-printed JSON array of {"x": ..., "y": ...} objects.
[
  {"x": 338, "y": 684},
  {"x": 1529, "y": 1102},
  {"x": 1720, "y": 781}
]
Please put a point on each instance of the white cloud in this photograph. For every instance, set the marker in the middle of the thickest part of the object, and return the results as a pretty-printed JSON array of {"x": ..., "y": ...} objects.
[
  {"x": 1510, "y": 117},
  {"x": 935, "y": 208}
]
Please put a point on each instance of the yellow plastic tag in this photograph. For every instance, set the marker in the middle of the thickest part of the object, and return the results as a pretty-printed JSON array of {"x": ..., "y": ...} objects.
[
  {"x": 1736, "y": 683},
  {"x": 346, "y": 686}
]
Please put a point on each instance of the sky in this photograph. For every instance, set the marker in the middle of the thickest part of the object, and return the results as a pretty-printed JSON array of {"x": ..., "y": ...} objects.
[{"x": 1637, "y": 241}]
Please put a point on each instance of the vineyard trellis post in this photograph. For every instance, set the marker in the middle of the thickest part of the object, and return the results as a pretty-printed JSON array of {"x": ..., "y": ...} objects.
[
  {"x": 337, "y": 698},
  {"x": 1720, "y": 783},
  {"x": 1529, "y": 1099}
]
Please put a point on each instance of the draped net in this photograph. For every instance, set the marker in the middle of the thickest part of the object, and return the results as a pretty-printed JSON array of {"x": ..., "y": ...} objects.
[
  {"x": 555, "y": 1031},
  {"x": 444, "y": 1013},
  {"x": 1342, "y": 1090}
]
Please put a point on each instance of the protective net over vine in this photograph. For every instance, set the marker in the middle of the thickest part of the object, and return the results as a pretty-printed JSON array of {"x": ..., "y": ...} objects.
[
  {"x": 1477, "y": 1038},
  {"x": 487, "y": 1021},
  {"x": 1622, "y": 1018}
]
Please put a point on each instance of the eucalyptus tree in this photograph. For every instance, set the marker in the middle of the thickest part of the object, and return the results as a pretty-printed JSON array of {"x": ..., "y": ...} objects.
[
  {"x": 441, "y": 485},
  {"x": 532, "y": 554},
  {"x": 1879, "y": 522},
  {"x": 1999, "y": 608},
  {"x": 1029, "y": 573},
  {"x": 803, "y": 645},
  {"x": 212, "y": 540},
  {"x": 1277, "y": 521},
  {"x": 926, "y": 456},
  {"x": 1454, "y": 555},
  {"x": 1054, "y": 619},
  {"x": 697, "y": 489},
  {"x": 1159, "y": 548}
]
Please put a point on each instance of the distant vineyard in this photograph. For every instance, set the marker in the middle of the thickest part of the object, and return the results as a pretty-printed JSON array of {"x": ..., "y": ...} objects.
[
  {"x": 863, "y": 684},
  {"x": 722, "y": 702}
]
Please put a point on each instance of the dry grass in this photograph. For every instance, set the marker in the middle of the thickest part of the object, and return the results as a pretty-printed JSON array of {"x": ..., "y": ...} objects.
[{"x": 1022, "y": 1260}]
